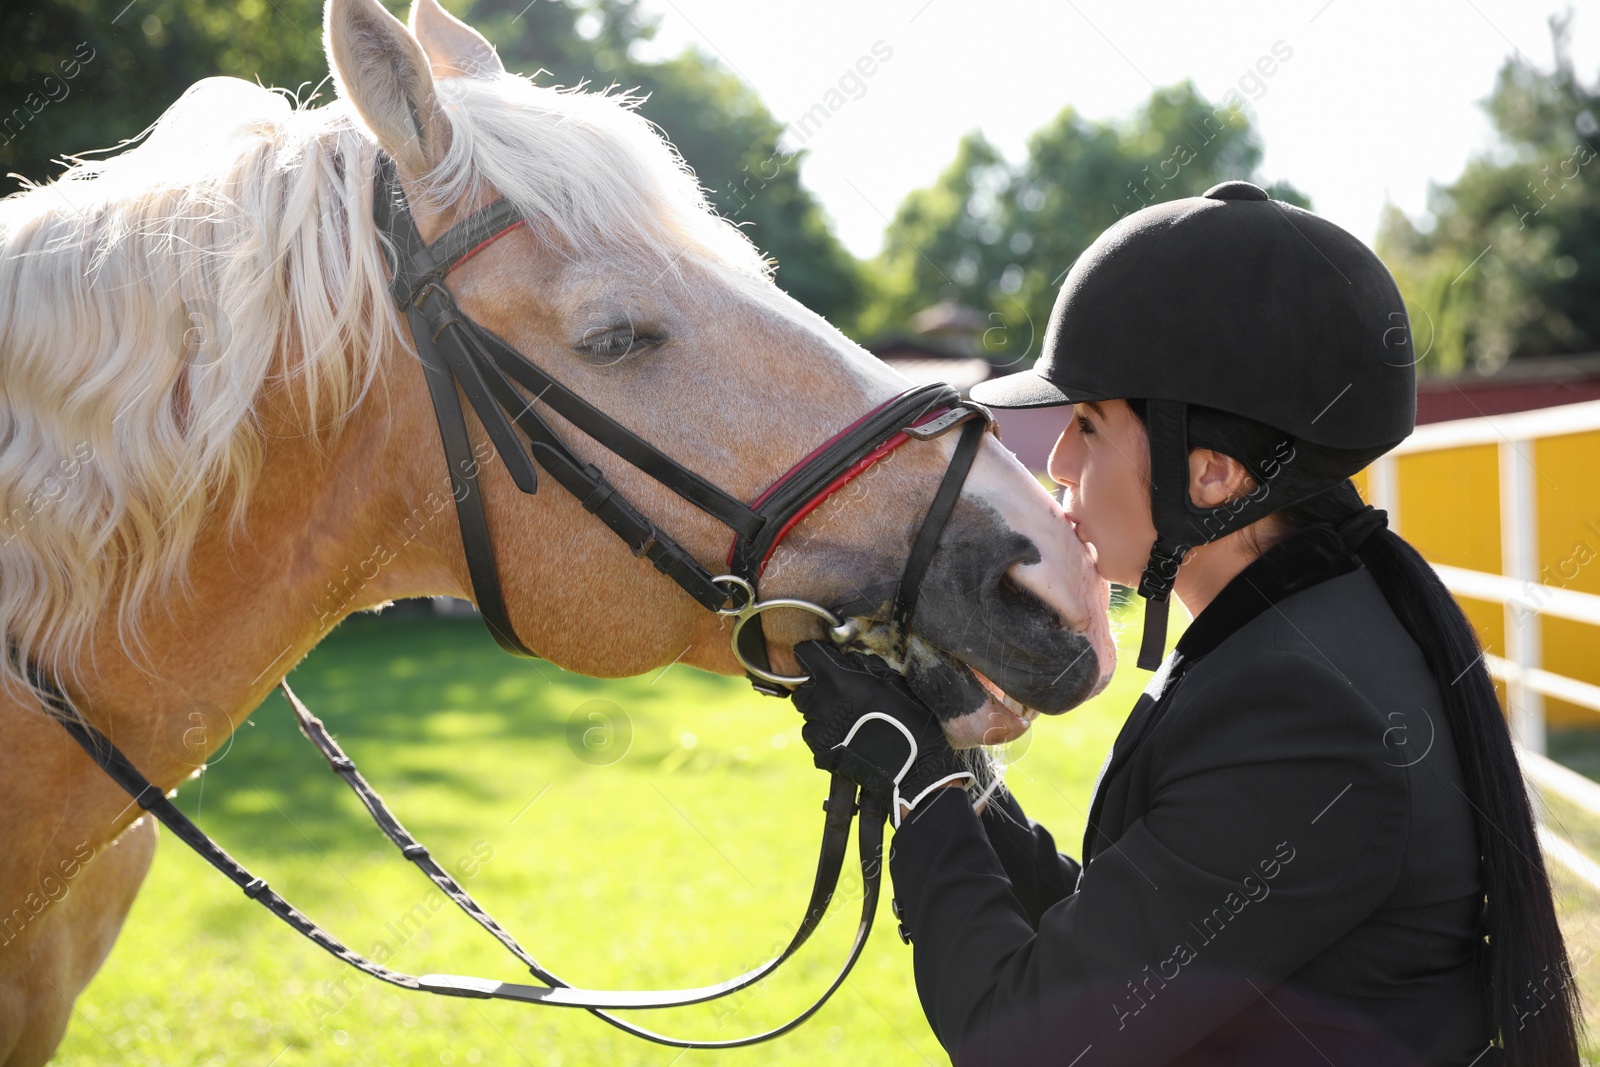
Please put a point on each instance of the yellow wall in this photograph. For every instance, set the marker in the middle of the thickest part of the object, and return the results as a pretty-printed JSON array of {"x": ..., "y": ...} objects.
[
  {"x": 1449, "y": 508},
  {"x": 1567, "y": 480}
]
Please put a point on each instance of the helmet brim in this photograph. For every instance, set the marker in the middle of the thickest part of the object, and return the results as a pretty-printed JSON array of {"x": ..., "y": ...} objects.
[{"x": 1025, "y": 389}]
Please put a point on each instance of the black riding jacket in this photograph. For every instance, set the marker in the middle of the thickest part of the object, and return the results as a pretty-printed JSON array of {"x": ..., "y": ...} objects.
[{"x": 1281, "y": 865}]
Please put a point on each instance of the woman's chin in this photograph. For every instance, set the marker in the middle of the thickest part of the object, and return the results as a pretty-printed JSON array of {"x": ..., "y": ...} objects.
[
  {"x": 1117, "y": 578},
  {"x": 1113, "y": 574},
  {"x": 1094, "y": 559}
]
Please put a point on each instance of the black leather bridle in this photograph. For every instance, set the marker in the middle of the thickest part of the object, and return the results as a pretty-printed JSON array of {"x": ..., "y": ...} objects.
[{"x": 455, "y": 351}]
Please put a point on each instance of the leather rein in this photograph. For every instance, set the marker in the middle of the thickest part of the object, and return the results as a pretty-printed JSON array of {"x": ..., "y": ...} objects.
[{"x": 458, "y": 352}]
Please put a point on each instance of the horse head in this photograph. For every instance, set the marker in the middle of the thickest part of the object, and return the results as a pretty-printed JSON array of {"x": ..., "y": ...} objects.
[{"x": 626, "y": 288}]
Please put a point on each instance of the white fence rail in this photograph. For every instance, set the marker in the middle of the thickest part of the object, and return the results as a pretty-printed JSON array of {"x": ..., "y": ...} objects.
[{"x": 1548, "y": 775}]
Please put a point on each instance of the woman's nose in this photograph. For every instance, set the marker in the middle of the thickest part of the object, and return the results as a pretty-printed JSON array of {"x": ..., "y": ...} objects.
[{"x": 1063, "y": 464}]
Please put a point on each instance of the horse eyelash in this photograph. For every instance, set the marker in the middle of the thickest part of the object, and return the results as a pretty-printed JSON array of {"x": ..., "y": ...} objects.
[{"x": 605, "y": 345}]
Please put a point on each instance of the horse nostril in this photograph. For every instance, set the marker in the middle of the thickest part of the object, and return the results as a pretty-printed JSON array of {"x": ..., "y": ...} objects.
[
  {"x": 1011, "y": 591},
  {"x": 1018, "y": 599},
  {"x": 1029, "y": 585}
]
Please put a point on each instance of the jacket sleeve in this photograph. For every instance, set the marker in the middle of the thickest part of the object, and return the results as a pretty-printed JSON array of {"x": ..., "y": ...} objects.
[
  {"x": 1039, "y": 875},
  {"x": 1275, "y": 826}
]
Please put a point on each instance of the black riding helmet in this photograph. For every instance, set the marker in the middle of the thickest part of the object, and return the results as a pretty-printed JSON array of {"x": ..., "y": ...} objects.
[{"x": 1239, "y": 303}]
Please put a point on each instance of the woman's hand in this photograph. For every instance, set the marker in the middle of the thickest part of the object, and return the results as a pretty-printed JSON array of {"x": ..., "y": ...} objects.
[{"x": 863, "y": 722}]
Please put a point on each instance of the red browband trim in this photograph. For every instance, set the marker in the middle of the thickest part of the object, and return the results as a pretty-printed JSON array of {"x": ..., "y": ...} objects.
[
  {"x": 487, "y": 241},
  {"x": 834, "y": 486}
]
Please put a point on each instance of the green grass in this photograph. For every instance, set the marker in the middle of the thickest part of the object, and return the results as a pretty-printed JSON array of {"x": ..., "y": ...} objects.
[
  {"x": 682, "y": 861},
  {"x": 1577, "y": 902},
  {"x": 675, "y": 850}
]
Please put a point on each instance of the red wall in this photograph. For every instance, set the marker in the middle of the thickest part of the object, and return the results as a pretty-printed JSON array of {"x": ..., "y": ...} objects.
[
  {"x": 1445, "y": 401},
  {"x": 1032, "y": 432}
]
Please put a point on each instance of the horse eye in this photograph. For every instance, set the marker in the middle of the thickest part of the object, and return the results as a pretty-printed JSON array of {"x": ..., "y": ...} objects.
[{"x": 614, "y": 343}]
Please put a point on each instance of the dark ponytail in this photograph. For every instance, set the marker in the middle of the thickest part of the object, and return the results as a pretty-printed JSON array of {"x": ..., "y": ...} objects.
[{"x": 1531, "y": 994}]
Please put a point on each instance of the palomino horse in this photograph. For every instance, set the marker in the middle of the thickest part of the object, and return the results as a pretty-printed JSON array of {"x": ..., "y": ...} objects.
[{"x": 216, "y": 442}]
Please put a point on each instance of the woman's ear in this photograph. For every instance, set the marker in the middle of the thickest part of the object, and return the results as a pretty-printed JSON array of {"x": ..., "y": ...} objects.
[
  {"x": 381, "y": 69},
  {"x": 1215, "y": 479}
]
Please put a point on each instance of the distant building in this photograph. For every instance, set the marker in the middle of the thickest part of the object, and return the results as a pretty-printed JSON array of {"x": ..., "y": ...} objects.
[{"x": 1519, "y": 385}]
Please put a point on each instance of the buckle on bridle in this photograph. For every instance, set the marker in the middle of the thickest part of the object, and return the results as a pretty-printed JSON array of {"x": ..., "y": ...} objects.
[
  {"x": 414, "y": 277},
  {"x": 957, "y": 415},
  {"x": 648, "y": 543}
]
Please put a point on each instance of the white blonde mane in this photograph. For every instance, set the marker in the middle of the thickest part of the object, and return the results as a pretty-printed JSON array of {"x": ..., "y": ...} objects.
[{"x": 145, "y": 300}]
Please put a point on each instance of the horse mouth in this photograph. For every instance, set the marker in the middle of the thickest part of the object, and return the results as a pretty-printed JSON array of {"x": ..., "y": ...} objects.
[
  {"x": 998, "y": 719},
  {"x": 973, "y": 709}
]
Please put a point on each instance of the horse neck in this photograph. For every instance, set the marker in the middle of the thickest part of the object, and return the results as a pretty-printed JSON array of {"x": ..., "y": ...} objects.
[{"x": 336, "y": 522}]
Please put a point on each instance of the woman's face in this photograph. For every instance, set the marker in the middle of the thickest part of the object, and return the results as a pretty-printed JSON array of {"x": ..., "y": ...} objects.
[{"x": 1102, "y": 462}]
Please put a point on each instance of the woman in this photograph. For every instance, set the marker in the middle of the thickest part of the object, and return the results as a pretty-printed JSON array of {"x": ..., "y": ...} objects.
[{"x": 1311, "y": 842}]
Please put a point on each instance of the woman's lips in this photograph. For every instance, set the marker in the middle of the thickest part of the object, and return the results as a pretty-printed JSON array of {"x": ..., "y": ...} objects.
[{"x": 1094, "y": 553}]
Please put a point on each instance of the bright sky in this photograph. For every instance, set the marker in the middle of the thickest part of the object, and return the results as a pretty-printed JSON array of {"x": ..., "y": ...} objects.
[{"x": 1376, "y": 99}]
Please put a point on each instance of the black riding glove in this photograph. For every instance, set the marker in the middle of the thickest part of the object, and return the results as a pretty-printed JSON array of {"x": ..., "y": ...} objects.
[{"x": 863, "y": 722}]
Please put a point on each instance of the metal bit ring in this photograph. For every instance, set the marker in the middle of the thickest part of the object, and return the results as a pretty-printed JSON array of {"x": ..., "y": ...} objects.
[{"x": 753, "y": 607}]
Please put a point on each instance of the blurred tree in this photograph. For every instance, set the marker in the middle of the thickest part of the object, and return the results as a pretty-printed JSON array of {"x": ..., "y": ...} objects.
[
  {"x": 732, "y": 141},
  {"x": 1507, "y": 262},
  {"x": 1000, "y": 236},
  {"x": 716, "y": 120},
  {"x": 88, "y": 74}
]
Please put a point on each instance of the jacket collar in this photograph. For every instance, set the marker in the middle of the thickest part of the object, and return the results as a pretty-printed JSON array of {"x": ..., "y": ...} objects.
[{"x": 1299, "y": 561}]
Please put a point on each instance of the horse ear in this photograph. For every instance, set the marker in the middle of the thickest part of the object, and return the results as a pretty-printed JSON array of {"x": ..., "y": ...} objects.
[
  {"x": 380, "y": 68},
  {"x": 455, "y": 49}
]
